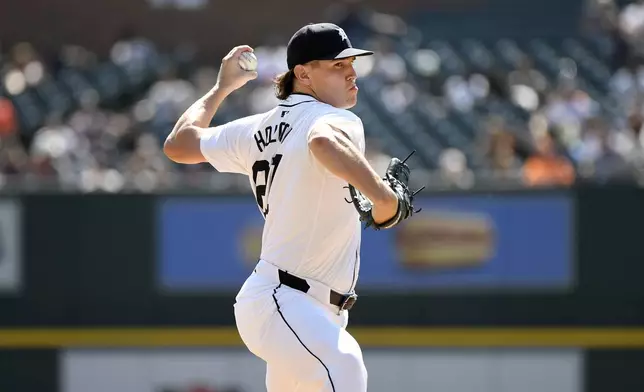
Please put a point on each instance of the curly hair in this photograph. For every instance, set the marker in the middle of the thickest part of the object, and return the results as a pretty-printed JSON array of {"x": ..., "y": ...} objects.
[{"x": 284, "y": 84}]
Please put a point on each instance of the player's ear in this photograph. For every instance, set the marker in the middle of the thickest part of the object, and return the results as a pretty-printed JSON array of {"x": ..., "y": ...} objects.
[{"x": 301, "y": 73}]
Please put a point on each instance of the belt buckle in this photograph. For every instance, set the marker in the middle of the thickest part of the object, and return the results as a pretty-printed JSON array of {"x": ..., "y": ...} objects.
[{"x": 348, "y": 301}]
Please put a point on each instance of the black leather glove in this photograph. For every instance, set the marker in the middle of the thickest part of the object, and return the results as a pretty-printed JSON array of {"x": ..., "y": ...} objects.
[{"x": 397, "y": 177}]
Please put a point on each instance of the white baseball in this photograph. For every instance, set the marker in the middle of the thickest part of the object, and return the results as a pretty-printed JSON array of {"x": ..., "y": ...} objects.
[{"x": 248, "y": 61}]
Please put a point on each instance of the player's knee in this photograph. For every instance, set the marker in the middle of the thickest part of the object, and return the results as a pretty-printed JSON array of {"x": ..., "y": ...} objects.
[{"x": 350, "y": 373}]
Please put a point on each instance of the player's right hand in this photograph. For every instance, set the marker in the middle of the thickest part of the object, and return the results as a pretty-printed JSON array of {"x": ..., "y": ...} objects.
[{"x": 231, "y": 75}]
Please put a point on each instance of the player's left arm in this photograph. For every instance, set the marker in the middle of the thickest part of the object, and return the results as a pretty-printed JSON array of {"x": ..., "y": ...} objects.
[
  {"x": 183, "y": 144},
  {"x": 388, "y": 201}
]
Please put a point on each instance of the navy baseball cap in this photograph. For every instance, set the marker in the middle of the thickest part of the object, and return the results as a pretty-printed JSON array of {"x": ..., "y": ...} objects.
[{"x": 320, "y": 41}]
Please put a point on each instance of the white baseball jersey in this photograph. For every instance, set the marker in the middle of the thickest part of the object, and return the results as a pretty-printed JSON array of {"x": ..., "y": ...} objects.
[{"x": 310, "y": 230}]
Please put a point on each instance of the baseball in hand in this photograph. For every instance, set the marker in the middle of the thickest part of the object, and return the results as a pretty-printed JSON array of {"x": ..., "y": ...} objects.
[{"x": 248, "y": 61}]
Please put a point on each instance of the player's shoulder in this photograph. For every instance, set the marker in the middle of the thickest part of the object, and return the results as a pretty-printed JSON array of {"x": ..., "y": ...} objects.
[
  {"x": 251, "y": 119},
  {"x": 312, "y": 107},
  {"x": 341, "y": 119},
  {"x": 328, "y": 111}
]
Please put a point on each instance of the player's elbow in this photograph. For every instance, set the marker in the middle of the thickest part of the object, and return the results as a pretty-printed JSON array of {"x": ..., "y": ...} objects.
[
  {"x": 184, "y": 146},
  {"x": 173, "y": 151}
]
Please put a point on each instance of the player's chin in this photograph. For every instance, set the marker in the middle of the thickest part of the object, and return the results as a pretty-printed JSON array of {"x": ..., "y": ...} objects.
[{"x": 351, "y": 101}]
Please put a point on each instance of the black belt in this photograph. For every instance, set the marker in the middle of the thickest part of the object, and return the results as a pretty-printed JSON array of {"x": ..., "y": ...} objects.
[{"x": 343, "y": 301}]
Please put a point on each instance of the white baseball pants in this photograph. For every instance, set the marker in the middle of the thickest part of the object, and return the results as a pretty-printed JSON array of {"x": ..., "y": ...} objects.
[{"x": 300, "y": 336}]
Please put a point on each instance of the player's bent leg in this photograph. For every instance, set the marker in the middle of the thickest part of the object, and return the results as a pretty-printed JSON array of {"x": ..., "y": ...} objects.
[
  {"x": 253, "y": 309},
  {"x": 350, "y": 369},
  {"x": 256, "y": 316},
  {"x": 306, "y": 341}
]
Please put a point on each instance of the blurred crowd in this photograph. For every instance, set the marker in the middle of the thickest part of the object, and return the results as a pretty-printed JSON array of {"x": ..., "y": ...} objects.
[{"x": 76, "y": 120}]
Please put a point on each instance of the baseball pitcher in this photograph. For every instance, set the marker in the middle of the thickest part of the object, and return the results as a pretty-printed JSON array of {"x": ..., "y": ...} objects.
[{"x": 303, "y": 159}]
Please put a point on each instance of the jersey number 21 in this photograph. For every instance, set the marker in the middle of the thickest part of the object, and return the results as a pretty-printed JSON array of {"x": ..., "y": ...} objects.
[{"x": 268, "y": 169}]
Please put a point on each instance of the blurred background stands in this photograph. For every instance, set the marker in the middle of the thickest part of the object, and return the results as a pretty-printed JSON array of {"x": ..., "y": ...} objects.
[{"x": 494, "y": 110}]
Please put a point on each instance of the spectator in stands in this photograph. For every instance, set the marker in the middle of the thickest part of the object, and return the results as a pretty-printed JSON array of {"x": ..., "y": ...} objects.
[
  {"x": 458, "y": 94},
  {"x": 631, "y": 24},
  {"x": 527, "y": 75},
  {"x": 569, "y": 104},
  {"x": 168, "y": 98},
  {"x": 599, "y": 17},
  {"x": 587, "y": 147},
  {"x": 8, "y": 121},
  {"x": 500, "y": 154},
  {"x": 14, "y": 160},
  {"x": 55, "y": 150},
  {"x": 599, "y": 159},
  {"x": 454, "y": 170},
  {"x": 387, "y": 63},
  {"x": 624, "y": 84},
  {"x": 104, "y": 149},
  {"x": 601, "y": 25},
  {"x": 271, "y": 62},
  {"x": 390, "y": 70},
  {"x": 546, "y": 167},
  {"x": 133, "y": 52},
  {"x": 146, "y": 168},
  {"x": 629, "y": 142},
  {"x": 610, "y": 166},
  {"x": 203, "y": 78},
  {"x": 398, "y": 96}
]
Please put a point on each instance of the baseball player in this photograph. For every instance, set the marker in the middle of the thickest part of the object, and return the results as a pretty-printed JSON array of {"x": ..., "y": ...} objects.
[{"x": 300, "y": 159}]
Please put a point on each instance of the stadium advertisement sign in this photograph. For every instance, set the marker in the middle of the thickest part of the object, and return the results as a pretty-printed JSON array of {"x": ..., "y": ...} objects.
[{"x": 456, "y": 243}]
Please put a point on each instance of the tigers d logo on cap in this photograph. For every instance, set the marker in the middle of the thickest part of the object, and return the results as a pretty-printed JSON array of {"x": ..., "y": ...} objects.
[{"x": 320, "y": 41}]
